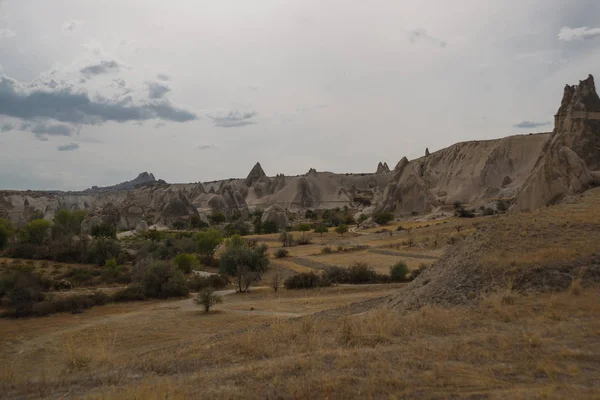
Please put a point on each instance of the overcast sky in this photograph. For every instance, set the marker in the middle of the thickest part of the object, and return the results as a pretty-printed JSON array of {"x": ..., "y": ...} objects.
[{"x": 95, "y": 92}]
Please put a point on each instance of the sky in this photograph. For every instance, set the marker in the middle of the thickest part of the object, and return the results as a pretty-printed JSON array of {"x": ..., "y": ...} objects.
[{"x": 95, "y": 92}]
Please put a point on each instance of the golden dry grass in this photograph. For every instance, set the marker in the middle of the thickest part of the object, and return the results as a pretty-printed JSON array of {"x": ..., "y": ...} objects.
[{"x": 509, "y": 346}]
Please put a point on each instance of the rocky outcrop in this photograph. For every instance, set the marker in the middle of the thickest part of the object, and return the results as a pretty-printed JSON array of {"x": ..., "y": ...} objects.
[
  {"x": 256, "y": 175},
  {"x": 577, "y": 121},
  {"x": 142, "y": 179},
  {"x": 564, "y": 166},
  {"x": 426, "y": 151},
  {"x": 276, "y": 214},
  {"x": 382, "y": 168}
]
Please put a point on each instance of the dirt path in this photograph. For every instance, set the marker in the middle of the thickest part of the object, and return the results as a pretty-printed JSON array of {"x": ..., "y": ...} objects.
[{"x": 399, "y": 254}]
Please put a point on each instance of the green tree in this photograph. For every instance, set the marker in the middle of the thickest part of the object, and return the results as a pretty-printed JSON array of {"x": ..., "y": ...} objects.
[
  {"x": 398, "y": 272},
  {"x": 179, "y": 225},
  {"x": 304, "y": 228},
  {"x": 161, "y": 281},
  {"x": 197, "y": 223},
  {"x": 383, "y": 218},
  {"x": 208, "y": 298},
  {"x": 321, "y": 229},
  {"x": 185, "y": 262},
  {"x": 207, "y": 243},
  {"x": 67, "y": 223},
  {"x": 35, "y": 232},
  {"x": 6, "y": 232},
  {"x": 104, "y": 230},
  {"x": 341, "y": 229},
  {"x": 270, "y": 227},
  {"x": 287, "y": 239},
  {"x": 216, "y": 217},
  {"x": 245, "y": 263}
]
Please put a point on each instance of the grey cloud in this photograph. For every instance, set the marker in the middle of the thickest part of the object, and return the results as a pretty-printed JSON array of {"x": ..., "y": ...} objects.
[
  {"x": 78, "y": 108},
  {"x": 567, "y": 34},
  {"x": 42, "y": 130},
  {"x": 421, "y": 34},
  {"x": 104, "y": 67},
  {"x": 157, "y": 90},
  {"x": 234, "y": 119},
  {"x": 163, "y": 77},
  {"x": 72, "y": 25},
  {"x": 68, "y": 147},
  {"x": 207, "y": 147},
  {"x": 531, "y": 124},
  {"x": 7, "y": 127},
  {"x": 7, "y": 33}
]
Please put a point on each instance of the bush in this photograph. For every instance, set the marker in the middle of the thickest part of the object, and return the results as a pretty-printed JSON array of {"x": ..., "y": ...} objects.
[
  {"x": 383, "y": 218},
  {"x": 103, "y": 249},
  {"x": 336, "y": 275},
  {"x": 35, "y": 232},
  {"x": 207, "y": 298},
  {"x": 360, "y": 272},
  {"x": 197, "y": 283},
  {"x": 304, "y": 280},
  {"x": 341, "y": 229},
  {"x": 281, "y": 253},
  {"x": 104, "y": 230},
  {"x": 131, "y": 293},
  {"x": 197, "y": 223},
  {"x": 216, "y": 218},
  {"x": 399, "y": 272},
  {"x": 162, "y": 281},
  {"x": 302, "y": 241},
  {"x": 270, "y": 227},
  {"x": 502, "y": 205},
  {"x": 287, "y": 239},
  {"x": 326, "y": 250},
  {"x": 185, "y": 262},
  {"x": 207, "y": 243},
  {"x": 321, "y": 229},
  {"x": 6, "y": 232}
]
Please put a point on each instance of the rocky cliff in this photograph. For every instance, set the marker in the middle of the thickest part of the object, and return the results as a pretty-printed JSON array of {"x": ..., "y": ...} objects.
[{"x": 533, "y": 170}]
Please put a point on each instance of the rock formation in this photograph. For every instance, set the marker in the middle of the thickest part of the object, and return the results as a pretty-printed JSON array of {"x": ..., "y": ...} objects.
[
  {"x": 382, "y": 168},
  {"x": 564, "y": 166},
  {"x": 144, "y": 178},
  {"x": 256, "y": 175},
  {"x": 528, "y": 170}
]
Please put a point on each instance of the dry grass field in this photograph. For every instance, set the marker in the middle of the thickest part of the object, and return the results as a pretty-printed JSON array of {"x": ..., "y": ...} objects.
[{"x": 349, "y": 341}]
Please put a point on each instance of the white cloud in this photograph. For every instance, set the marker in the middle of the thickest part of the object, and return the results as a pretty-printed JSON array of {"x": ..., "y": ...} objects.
[
  {"x": 72, "y": 25},
  {"x": 567, "y": 34},
  {"x": 6, "y": 33}
]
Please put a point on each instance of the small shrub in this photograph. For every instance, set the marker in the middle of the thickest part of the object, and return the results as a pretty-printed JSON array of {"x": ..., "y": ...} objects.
[
  {"x": 341, "y": 229},
  {"x": 321, "y": 229},
  {"x": 198, "y": 283},
  {"x": 360, "y": 272},
  {"x": 398, "y": 272},
  {"x": 336, "y": 275},
  {"x": 383, "y": 218},
  {"x": 302, "y": 241},
  {"x": 281, "y": 253},
  {"x": 304, "y": 280},
  {"x": 326, "y": 250},
  {"x": 208, "y": 298},
  {"x": 131, "y": 293},
  {"x": 185, "y": 262}
]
